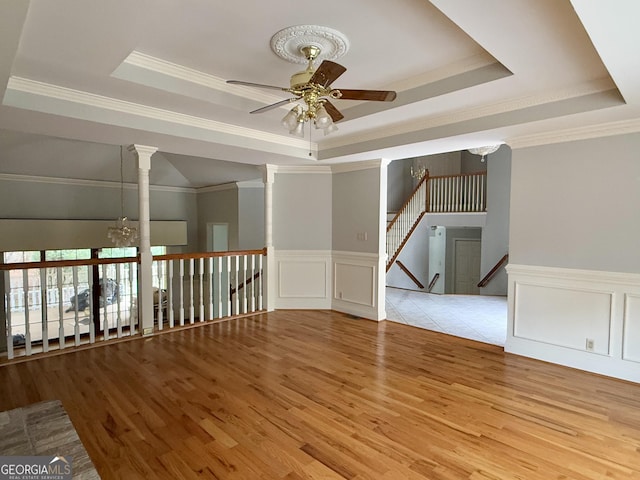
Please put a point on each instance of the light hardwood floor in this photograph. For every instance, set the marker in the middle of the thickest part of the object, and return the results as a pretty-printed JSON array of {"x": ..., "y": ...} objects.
[{"x": 320, "y": 395}]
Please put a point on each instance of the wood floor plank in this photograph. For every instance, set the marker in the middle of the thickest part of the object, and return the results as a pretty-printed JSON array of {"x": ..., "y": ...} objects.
[{"x": 300, "y": 395}]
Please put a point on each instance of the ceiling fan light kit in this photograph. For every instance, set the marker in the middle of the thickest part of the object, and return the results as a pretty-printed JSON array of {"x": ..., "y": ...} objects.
[{"x": 312, "y": 86}]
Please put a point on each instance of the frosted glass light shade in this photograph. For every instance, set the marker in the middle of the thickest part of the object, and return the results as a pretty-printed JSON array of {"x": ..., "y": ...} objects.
[{"x": 323, "y": 119}]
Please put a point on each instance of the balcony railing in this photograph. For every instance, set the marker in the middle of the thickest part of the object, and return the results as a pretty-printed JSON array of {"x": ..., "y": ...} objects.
[{"x": 59, "y": 304}]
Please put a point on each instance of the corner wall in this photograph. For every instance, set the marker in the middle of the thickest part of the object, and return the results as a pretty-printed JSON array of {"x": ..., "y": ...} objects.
[
  {"x": 328, "y": 223},
  {"x": 574, "y": 286}
]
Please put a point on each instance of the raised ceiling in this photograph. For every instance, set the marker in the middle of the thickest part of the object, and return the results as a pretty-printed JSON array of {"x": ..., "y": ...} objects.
[{"x": 97, "y": 74}]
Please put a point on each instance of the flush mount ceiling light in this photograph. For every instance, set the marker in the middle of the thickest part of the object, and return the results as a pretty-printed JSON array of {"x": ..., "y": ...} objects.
[
  {"x": 484, "y": 151},
  {"x": 312, "y": 87}
]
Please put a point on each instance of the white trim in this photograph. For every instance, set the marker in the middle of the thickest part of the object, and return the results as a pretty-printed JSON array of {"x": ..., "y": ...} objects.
[
  {"x": 217, "y": 188},
  {"x": 467, "y": 114},
  {"x": 11, "y": 177},
  {"x": 571, "y": 274},
  {"x": 305, "y": 169},
  {"x": 578, "y": 133},
  {"x": 299, "y": 292},
  {"x": 460, "y": 67},
  {"x": 250, "y": 184},
  {"x": 348, "y": 294},
  {"x": 42, "y": 89},
  {"x": 155, "y": 64},
  {"x": 603, "y": 314},
  {"x": 356, "y": 166}
]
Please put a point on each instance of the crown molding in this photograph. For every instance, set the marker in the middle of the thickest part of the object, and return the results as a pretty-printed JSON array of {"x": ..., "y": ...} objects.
[
  {"x": 250, "y": 184},
  {"x": 218, "y": 188},
  {"x": 10, "y": 177},
  {"x": 65, "y": 94},
  {"x": 174, "y": 70},
  {"x": 355, "y": 166},
  {"x": 231, "y": 186},
  {"x": 305, "y": 169},
  {"x": 578, "y": 133},
  {"x": 465, "y": 65},
  {"x": 466, "y": 114}
]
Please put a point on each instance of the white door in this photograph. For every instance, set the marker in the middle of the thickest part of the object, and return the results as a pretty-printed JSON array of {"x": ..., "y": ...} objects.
[{"x": 466, "y": 267}]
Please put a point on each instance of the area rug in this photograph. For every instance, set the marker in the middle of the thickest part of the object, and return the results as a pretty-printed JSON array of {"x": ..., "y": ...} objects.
[{"x": 44, "y": 429}]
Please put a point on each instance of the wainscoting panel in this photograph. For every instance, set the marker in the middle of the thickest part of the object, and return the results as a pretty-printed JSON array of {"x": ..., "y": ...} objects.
[
  {"x": 355, "y": 284},
  {"x": 303, "y": 279},
  {"x": 563, "y": 316},
  {"x": 631, "y": 342},
  {"x": 579, "y": 318}
]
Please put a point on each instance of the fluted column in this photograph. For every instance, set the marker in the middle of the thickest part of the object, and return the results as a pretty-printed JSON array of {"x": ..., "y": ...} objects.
[
  {"x": 145, "y": 277},
  {"x": 270, "y": 283}
]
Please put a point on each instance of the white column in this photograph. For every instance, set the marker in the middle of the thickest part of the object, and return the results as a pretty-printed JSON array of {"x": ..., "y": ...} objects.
[
  {"x": 269, "y": 294},
  {"x": 381, "y": 280},
  {"x": 145, "y": 280}
]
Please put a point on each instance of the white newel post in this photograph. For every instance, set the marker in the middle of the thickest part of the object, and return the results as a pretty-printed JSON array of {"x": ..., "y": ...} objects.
[
  {"x": 270, "y": 266},
  {"x": 145, "y": 280}
]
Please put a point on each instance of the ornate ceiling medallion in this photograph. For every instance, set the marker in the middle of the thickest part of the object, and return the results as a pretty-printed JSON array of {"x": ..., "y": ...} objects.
[{"x": 288, "y": 42}]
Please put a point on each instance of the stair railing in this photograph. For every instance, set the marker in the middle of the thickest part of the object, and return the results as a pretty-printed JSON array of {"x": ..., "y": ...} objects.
[
  {"x": 433, "y": 282},
  {"x": 406, "y": 220},
  {"x": 487, "y": 278}
]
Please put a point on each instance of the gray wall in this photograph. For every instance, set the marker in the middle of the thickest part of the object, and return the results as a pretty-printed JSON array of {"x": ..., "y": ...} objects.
[
  {"x": 577, "y": 205},
  {"x": 495, "y": 234},
  {"x": 302, "y": 211},
  {"x": 399, "y": 184},
  {"x": 356, "y": 210},
  {"x": 219, "y": 206},
  {"x": 39, "y": 200},
  {"x": 470, "y": 163},
  {"x": 250, "y": 218}
]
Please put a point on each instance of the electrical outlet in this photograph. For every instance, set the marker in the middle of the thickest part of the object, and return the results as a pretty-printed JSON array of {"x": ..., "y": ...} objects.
[{"x": 589, "y": 344}]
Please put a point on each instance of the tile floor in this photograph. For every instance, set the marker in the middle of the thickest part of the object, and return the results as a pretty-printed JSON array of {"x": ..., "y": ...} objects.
[{"x": 477, "y": 317}]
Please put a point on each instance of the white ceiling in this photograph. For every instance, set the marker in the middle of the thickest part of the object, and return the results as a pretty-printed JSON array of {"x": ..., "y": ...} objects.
[{"x": 81, "y": 77}]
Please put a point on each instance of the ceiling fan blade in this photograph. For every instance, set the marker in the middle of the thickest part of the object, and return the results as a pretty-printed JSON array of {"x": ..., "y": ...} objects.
[
  {"x": 258, "y": 85},
  {"x": 275, "y": 105},
  {"x": 333, "y": 112},
  {"x": 326, "y": 73},
  {"x": 375, "y": 95}
]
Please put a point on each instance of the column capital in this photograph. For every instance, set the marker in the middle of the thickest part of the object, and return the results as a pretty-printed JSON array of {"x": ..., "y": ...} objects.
[
  {"x": 268, "y": 173},
  {"x": 143, "y": 152}
]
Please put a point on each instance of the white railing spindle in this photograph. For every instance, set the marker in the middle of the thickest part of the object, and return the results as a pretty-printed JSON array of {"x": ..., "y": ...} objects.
[
  {"x": 27, "y": 329},
  {"x": 201, "y": 301},
  {"x": 61, "y": 334}
]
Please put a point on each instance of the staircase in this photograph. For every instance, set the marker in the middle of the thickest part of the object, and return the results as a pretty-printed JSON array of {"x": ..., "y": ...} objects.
[
  {"x": 464, "y": 193},
  {"x": 406, "y": 220}
]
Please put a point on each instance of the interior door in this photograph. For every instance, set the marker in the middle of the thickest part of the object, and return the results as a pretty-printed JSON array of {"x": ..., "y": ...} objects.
[{"x": 466, "y": 266}]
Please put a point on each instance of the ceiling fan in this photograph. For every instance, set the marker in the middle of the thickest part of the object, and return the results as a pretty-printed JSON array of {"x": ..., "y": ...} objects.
[{"x": 313, "y": 86}]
